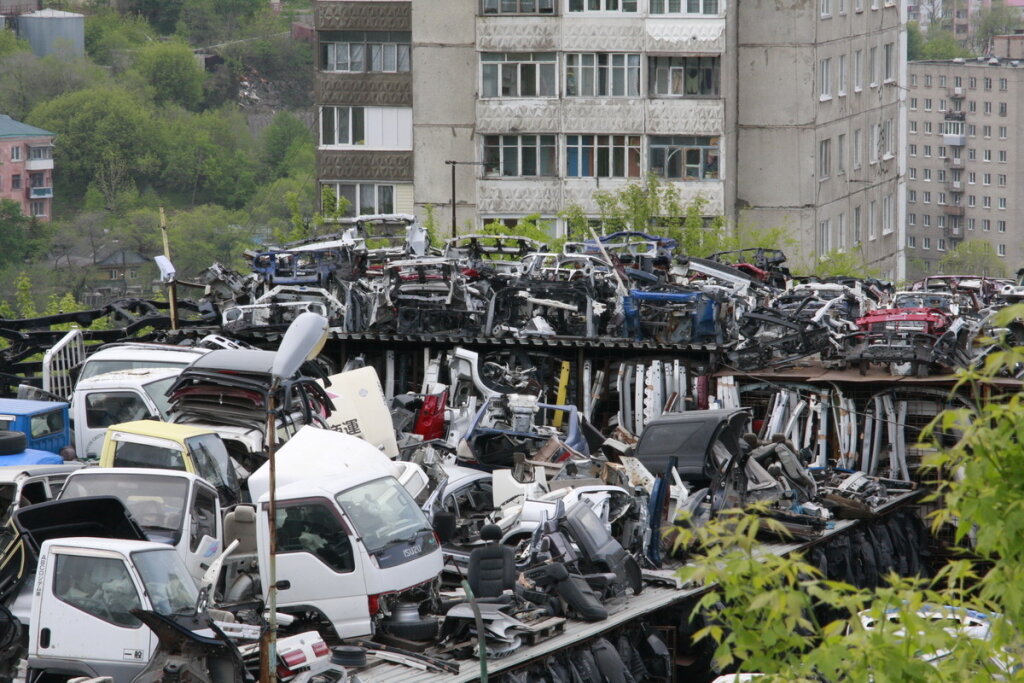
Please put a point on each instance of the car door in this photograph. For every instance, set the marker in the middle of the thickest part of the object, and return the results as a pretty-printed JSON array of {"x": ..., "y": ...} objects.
[
  {"x": 86, "y": 614},
  {"x": 317, "y": 555}
]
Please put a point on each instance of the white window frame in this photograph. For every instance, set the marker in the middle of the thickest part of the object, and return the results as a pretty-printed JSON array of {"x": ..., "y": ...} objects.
[
  {"x": 587, "y": 72},
  {"x": 379, "y": 190},
  {"x": 497, "y": 67},
  {"x": 825, "y": 79},
  {"x": 612, "y": 7},
  {"x": 375, "y": 46},
  {"x": 521, "y": 147}
]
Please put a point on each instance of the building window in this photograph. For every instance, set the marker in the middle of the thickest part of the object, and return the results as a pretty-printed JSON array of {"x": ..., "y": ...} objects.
[
  {"x": 941, "y": 175},
  {"x": 972, "y": 82},
  {"x": 888, "y": 140},
  {"x": 520, "y": 155},
  {"x": 986, "y": 155},
  {"x": 942, "y": 244},
  {"x": 986, "y": 131},
  {"x": 37, "y": 207},
  {"x": 912, "y": 173},
  {"x": 942, "y": 198},
  {"x": 824, "y": 237},
  {"x": 927, "y": 197},
  {"x": 858, "y": 5},
  {"x": 972, "y": 177},
  {"x": 970, "y": 224},
  {"x": 16, "y": 181},
  {"x": 911, "y": 219},
  {"x": 1001, "y": 226},
  {"x": 972, "y": 200},
  {"x": 913, "y": 126},
  {"x": 1002, "y": 84},
  {"x": 926, "y": 243},
  {"x": 873, "y": 68},
  {"x": 856, "y": 149},
  {"x": 911, "y": 241},
  {"x": 841, "y": 232},
  {"x": 1002, "y": 202},
  {"x": 1002, "y": 179},
  {"x": 972, "y": 106},
  {"x": 1002, "y": 156},
  {"x": 365, "y": 198},
  {"x": 602, "y": 5},
  {"x": 911, "y": 196},
  {"x": 912, "y": 150},
  {"x": 518, "y": 6},
  {"x": 986, "y": 178},
  {"x": 824, "y": 159},
  {"x": 988, "y": 107},
  {"x": 858, "y": 69},
  {"x": 374, "y": 127},
  {"x": 927, "y": 104},
  {"x": 841, "y": 154},
  {"x": 602, "y": 75},
  {"x": 988, "y": 83},
  {"x": 1002, "y": 250},
  {"x": 887, "y": 217},
  {"x": 826, "y": 8},
  {"x": 971, "y": 154},
  {"x": 684, "y": 6},
  {"x": 971, "y": 129},
  {"x": 942, "y": 155},
  {"x": 684, "y": 157},
  {"x": 1002, "y": 132},
  {"x": 362, "y": 51},
  {"x": 928, "y": 127},
  {"x": 856, "y": 225},
  {"x": 873, "y": 143},
  {"x": 16, "y": 153},
  {"x": 913, "y": 103},
  {"x": 926, "y": 220},
  {"x": 927, "y": 81},
  {"x": 1002, "y": 108},
  {"x": 841, "y": 77},
  {"x": 825, "y": 78},
  {"x": 872, "y": 219},
  {"x": 913, "y": 80},
  {"x": 889, "y": 61},
  {"x": 514, "y": 74},
  {"x": 602, "y": 156},
  {"x": 942, "y": 81},
  {"x": 986, "y": 225},
  {"x": 986, "y": 202},
  {"x": 684, "y": 76}
]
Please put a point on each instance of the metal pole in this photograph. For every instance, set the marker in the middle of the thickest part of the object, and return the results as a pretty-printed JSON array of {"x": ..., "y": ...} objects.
[
  {"x": 268, "y": 642},
  {"x": 455, "y": 225},
  {"x": 173, "y": 283}
]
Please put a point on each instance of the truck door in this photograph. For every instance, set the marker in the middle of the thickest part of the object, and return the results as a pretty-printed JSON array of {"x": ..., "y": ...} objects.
[
  {"x": 318, "y": 557},
  {"x": 103, "y": 409},
  {"x": 85, "y": 608},
  {"x": 203, "y": 532}
]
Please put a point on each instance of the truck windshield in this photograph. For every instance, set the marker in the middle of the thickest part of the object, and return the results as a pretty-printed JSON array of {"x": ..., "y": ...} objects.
[
  {"x": 170, "y": 588},
  {"x": 157, "y": 393},
  {"x": 156, "y": 503},
  {"x": 383, "y": 513},
  {"x": 99, "y": 367}
]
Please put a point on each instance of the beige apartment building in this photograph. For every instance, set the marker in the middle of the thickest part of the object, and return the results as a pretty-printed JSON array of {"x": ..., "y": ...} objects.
[
  {"x": 775, "y": 115},
  {"x": 963, "y": 150}
]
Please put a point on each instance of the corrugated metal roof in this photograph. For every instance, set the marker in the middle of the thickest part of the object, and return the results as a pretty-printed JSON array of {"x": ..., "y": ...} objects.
[{"x": 9, "y": 128}]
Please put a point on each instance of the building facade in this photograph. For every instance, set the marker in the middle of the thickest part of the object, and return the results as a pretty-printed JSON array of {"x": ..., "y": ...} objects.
[
  {"x": 26, "y": 167},
  {"x": 964, "y": 147},
  {"x": 520, "y": 107}
]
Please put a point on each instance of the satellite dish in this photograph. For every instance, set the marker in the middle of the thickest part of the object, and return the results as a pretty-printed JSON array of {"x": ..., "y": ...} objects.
[{"x": 302, "y": 341}]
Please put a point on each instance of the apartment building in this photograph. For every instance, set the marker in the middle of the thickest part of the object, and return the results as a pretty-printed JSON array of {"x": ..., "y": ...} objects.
[
  {"x": 26, "y": 167},
  {"x": 519, "y": 107},
  {"x": 963, "y": 150}
]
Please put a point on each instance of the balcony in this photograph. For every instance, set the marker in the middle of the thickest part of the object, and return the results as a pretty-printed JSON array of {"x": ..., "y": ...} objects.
[
  {"x": 953, "y": 210},
  {"x": 955, "y": 231},
  {"x": 40, "y": 192},
  {"x": 955, "y": 162},
  {"x": 39, "y": 165},
  {"x": 955, "y": 185},
  {"x": 954, "y": 139},
  {"x": 956, "y": 93}
]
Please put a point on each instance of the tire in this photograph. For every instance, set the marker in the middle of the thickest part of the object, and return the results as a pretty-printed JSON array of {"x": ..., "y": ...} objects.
[{"x": 12, "y": 442}]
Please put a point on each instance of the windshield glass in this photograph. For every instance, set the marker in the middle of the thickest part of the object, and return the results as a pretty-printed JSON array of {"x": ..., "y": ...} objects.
[
  {"x": 156, "y": 391},
  {"x": 170, "y": 588},
  {"x": 131, "y": 454},
  {"x": 212, "y": 460},
  {"x": 382, "y": 511},
  {"x": 922, "y": 300},
  {"x": 156, "y": 503},
  {"x": 98, "y": 367},
  {"x": 106, "y": 408}
]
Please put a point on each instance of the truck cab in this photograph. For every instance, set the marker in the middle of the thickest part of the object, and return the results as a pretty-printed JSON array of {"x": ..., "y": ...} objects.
[
  {"x": 85, "y": 588},
  {"x": 21, "y": 486},
  {"x": 44, "y": 423},
  {"x": 168, "y": 446},
  {"x": 137, "y": 355},
  {"x": 177, "y": 509},
  {"x": 349, "y": 546},
  {"x": 119, "y": 396}
]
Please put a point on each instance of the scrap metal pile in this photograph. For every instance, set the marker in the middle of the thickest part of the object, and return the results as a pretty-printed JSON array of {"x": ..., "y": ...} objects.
[{"x": 379, "y": 278}]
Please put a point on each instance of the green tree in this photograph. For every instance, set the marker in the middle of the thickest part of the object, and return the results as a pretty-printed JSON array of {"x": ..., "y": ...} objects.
[
  {"x": 108, "y": 32},
  {"x": 211, "y": 161},
  {"x": 15, "y": 233},
  {"x": 10, "y": 43},
  {"x": 996, "y": 19},
  {"x": 975, "y": 257},
  {"x": 842, "y": 262},
  {"x": 915, "y": 41},
  {"x": 172, "y": 71},
  {"x": 27, "y": 80},
  {"x": 205, "y": 234},
  {"x": 941, "y": 44},
  {"x": 97, "y": 125},
  {"x": 277, "y": 140},
  {"x": 163, "y": 15}
]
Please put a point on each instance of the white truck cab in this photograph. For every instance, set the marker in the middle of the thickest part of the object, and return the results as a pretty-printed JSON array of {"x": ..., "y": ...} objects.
[
  {"x": 136, "y": 355},
  {"x": 85, "y": 588},
  {"x": 177, "y": 509},
  {"x": 349, "y": 545},
  {"x": 102, "y": 400}
]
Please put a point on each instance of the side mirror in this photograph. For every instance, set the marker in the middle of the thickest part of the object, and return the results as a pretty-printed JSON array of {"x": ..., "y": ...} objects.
[{"x": 444, "y": 525}]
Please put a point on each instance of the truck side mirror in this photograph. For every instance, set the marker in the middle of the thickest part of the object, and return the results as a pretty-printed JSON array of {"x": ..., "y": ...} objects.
[{"x": 444, "y": 525}]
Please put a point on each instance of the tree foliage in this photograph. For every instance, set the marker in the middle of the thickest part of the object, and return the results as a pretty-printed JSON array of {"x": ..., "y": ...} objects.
[
  {"x": 975, "y": 257},
  {"x": 942, "y": 44},
  {"x": 995, "y": 19},
  {"x": 277, "y": 141},
  {"x": 172, "y": 71},
  {"x": 108, "y": 32},
  {"x": 838, "y": 262},
  {"x": 915, "y": 41}
]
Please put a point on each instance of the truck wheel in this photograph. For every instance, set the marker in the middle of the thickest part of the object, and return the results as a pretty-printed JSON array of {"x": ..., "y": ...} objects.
[
  {"x": 12, "y": 442},
  {"x": 421, "y": 629}
]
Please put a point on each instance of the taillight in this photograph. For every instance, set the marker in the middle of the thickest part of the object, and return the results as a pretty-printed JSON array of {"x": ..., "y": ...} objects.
[
  {"x": 294, "y": 658},
  {"x": 320, "y": 649},
  {"x": 373, "y": 602}
]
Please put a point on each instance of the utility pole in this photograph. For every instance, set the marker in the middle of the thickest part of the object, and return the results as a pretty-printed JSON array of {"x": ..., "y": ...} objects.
[
  {"x": 453, "y": 164},
  {"x": 173, "y": 287}
]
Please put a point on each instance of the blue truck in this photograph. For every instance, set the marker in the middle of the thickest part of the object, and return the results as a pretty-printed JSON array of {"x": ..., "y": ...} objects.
[{"x": 33, "y": 432}]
